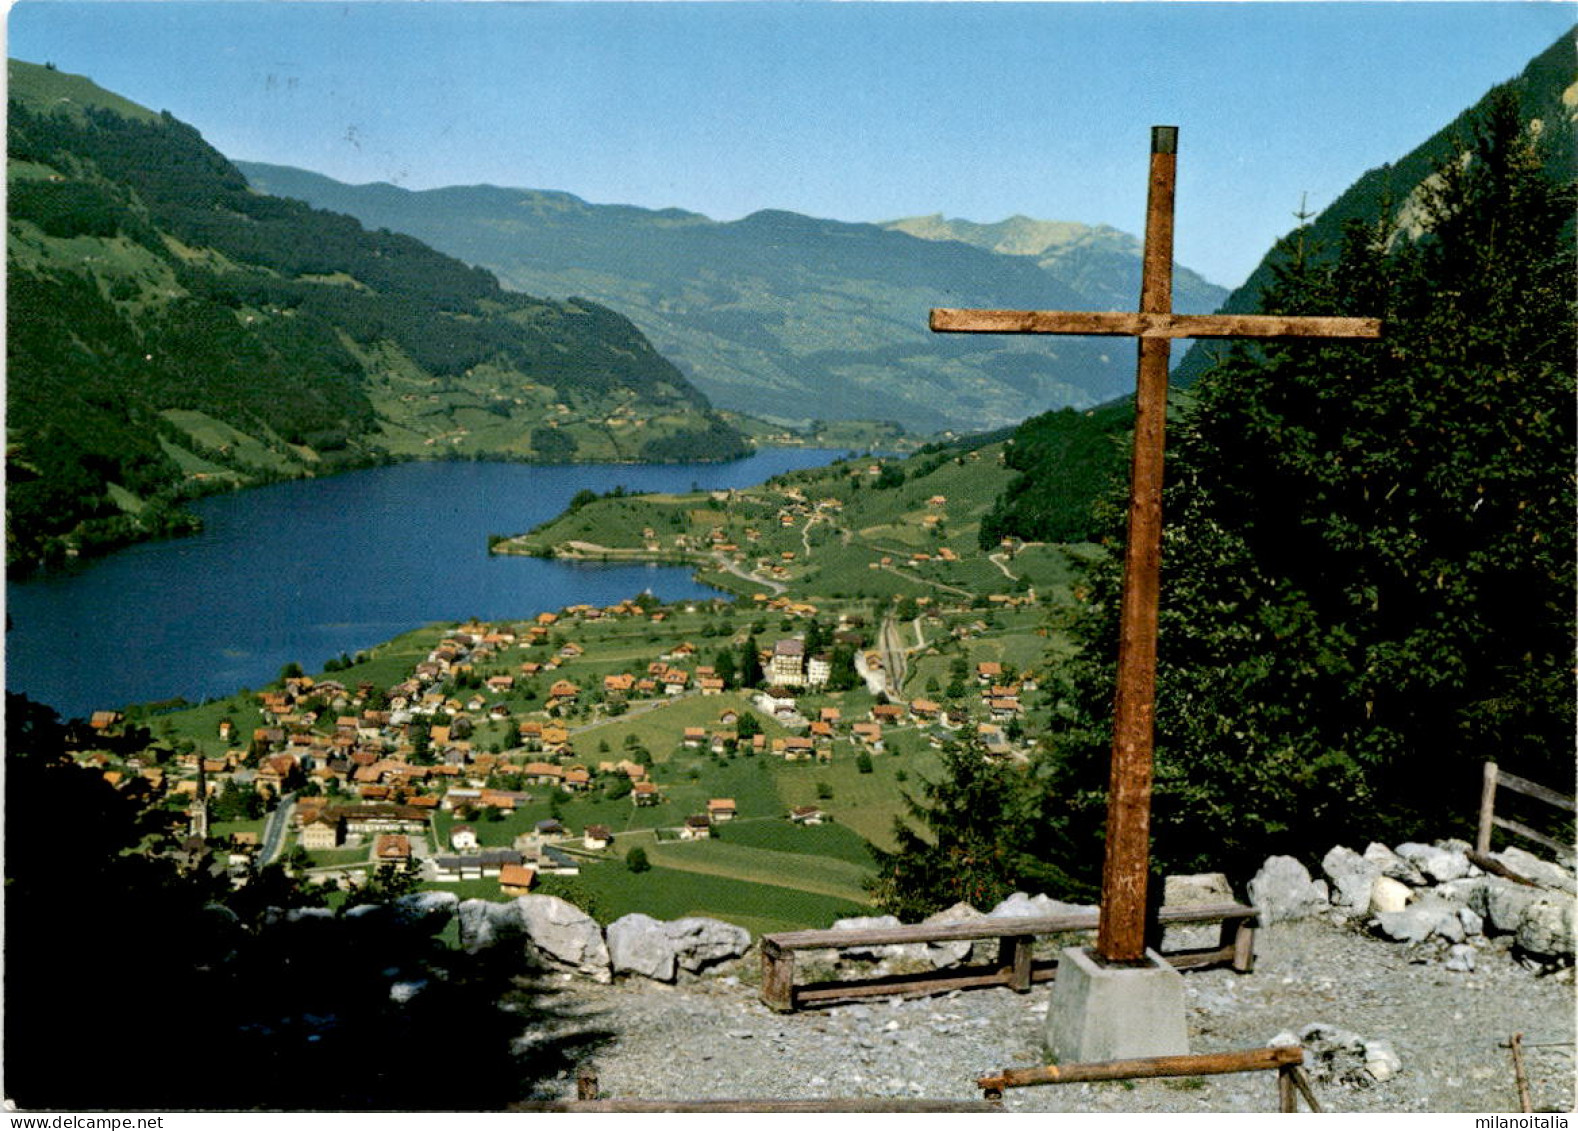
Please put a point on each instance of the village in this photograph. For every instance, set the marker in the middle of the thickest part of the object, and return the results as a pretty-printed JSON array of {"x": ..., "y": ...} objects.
[{"x": 505, "y": 754}]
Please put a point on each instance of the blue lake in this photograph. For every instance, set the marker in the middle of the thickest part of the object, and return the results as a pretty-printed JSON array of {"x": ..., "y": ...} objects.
[{"x": 306, "y": 570}]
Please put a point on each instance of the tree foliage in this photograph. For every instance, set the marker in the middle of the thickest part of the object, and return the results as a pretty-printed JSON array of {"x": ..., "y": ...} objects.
[
  {"x": 967, "y": 837},
  {"x": 1368, "y": 560}
]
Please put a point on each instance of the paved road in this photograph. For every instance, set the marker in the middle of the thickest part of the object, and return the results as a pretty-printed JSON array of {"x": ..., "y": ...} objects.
[
  {"x": 727, "y": 564},
  {"x": 274, "y": 829}
]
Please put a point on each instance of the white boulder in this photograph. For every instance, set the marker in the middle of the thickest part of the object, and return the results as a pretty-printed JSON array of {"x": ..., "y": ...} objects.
[
  {"x": 484, "y": 923},
  {"x": 1389, "y": 895},
  {"x": 1352, "y": 879},
  {"x": 1193, "y": 891},
  {"x": 565, "y": 935},
  {"x": 1282, "y": 890}
]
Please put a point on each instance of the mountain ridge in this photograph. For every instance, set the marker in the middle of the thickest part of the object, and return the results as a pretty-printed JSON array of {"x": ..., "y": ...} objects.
[
  {"x": 172, "y": 332},
  {"x": 1547, "y": 93},
  {"x": 782, "y": 315}
]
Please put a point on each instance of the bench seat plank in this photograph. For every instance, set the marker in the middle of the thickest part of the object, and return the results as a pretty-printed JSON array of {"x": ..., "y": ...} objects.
[{"x": 988, "y": 928}]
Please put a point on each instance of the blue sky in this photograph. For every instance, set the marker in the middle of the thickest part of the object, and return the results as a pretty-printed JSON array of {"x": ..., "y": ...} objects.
[{"x": 851, "y": 111}]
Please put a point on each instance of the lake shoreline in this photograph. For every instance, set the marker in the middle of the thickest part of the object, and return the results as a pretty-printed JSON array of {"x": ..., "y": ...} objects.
[{"x": 306, "y": 569}]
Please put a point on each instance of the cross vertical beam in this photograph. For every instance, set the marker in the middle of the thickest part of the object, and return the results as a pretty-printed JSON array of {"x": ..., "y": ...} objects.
[{"x": 1125, "y": 868}]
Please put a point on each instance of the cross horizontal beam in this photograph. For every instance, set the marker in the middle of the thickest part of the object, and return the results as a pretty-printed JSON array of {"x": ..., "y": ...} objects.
[{"x": 1141, "y": 325}]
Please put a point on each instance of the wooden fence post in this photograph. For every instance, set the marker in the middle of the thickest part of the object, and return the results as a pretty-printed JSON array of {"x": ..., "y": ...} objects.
[
  {"x": 1014, "y": 956},
  {"x": 1287, "y": 1098},
  {"x": 777, "y": 977},
  {"x": 1487, "y": 809}
]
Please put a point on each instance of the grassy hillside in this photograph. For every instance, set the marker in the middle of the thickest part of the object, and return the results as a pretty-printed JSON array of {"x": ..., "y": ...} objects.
[
  {"x": 171, "y": 331},
  {"x": 784, "y": 316},
  {"x": 858, "y": 529}
]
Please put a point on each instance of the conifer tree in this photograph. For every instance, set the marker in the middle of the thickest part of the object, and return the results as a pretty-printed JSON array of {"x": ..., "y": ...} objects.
[{"x": 1368, "y": 565}]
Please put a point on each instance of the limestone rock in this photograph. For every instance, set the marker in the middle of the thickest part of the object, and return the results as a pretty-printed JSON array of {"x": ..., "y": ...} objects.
[
  {"x": 953, "y": 953},
  {"x": 1381, "y": 1060},
  {"x": 484, "y": 923},
  {"x": 428, "y": 911},
  {"x": 915, "y": 952},
  {"x": 1282, "y": 890},
  {"x": 1506, "y": 903},
  {"x": 1542, "y": 872},
  {"x": 699, "y": 942},
  {"x": 565, "y": 935},
  {"x": 1394, "y": 866},
  {"x": 1547, "y": 928},
  {"x": 1190, "y": 891},
  {"x": 1436, "y": 864},
  {"x": 1461, "y": 959},
  {"x": 1352, "y": 879},
  {"x": 1022, "y": 904},
  {"x": 308, "y": 914},
  {"x": 638, "y": 945},
  {"x": 1430, "y": 916},
  {"x": 1469, "y": 891},
  {"x": 1389, "y": 895}
]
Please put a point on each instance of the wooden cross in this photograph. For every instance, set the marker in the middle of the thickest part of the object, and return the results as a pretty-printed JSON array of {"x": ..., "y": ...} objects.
[{"x": 1126, "y": 865}]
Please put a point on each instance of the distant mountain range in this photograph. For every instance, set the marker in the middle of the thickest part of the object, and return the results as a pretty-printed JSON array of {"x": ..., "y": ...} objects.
[
  {"x": 792, "y": 318},
  {"x": 171, "y": 331}
]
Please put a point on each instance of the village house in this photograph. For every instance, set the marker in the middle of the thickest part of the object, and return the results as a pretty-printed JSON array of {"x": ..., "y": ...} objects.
[
  {"x": 795, "y": 748},
  {"x": 720, "y": 809},
  {"x": 393, "y": 849},
  {"x": 474, "y": 866},
  {"x": 506, "y": 799},
  {"x": 806, "y": 815},
  {"x": 463, "y": 838},
  {"x": 696, "y": 828},
  {"x": 322, "y": 832},
  {"x": 1003, "y": 709},
  {"x": 597, "y": 837},
  {"x": 516, "y": 879},
  {"x": 868, "y": 735},
  {"x": 543, "y": 773},
  {"x": 644, "y": 793},
  {"x": 787, "y": 666}
]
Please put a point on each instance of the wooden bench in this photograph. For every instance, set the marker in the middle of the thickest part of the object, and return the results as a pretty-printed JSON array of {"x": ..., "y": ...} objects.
[{"x": 1015, "y": 967}]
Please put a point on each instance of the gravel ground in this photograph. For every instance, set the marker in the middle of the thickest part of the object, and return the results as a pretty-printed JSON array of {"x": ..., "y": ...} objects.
[{"x": 713, "y": 1039}]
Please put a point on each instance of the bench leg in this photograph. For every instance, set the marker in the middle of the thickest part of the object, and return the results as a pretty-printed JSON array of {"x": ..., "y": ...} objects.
[
  {"x": 778, "y": 978},
  {"x": 1244, "y": 947},
  {"x": 1013, "y": 957}
]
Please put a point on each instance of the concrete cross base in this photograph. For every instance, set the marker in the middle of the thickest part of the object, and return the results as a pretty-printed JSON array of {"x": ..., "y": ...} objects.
[{"x": 1103, "y": 1012}]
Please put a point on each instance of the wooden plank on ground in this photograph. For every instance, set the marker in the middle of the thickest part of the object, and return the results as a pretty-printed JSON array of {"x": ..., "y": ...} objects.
[{"x": 855, "y": 1106}]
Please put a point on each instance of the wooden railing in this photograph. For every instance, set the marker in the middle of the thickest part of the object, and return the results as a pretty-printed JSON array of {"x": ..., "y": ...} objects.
[
  {"x": 1287, "y": 1062},
  {"x": 1498, "y": 778}
]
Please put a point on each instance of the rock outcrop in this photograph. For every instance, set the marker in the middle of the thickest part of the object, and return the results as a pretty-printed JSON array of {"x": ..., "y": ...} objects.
[
  {"x": 565, "y": 935},
  {"x": 1431, "y": 894}
]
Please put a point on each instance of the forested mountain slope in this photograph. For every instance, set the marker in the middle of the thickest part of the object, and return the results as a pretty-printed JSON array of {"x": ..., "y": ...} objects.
[
  {"x": 171, "y": 331},
  {"x": 789, "y": 317},
  {"x": 1547, "y": 102}
]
